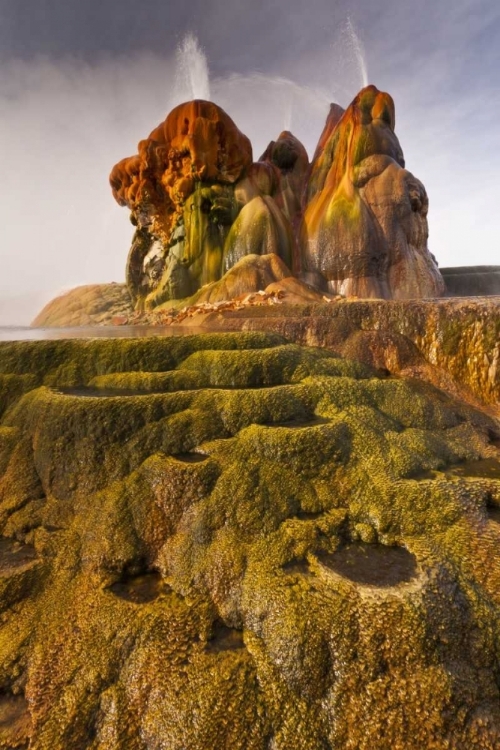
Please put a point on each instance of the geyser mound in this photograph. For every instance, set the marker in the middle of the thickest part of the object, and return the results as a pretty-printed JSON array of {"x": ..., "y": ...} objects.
[{"x": 353, "y": 222}]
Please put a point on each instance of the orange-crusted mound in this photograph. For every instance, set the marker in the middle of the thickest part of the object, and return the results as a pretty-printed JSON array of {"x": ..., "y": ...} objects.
[
  {"x": 192, "y": 179},
  {"x": 365, "y": 224},
  {"x": 353, "y": 222},
  {"x": 197, "y": 141}
]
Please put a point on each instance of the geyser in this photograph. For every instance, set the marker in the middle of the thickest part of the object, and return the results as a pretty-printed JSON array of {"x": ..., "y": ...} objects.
[
  {"x": 354, "y": 221},
  {"x": 192, "y": 76},
  {"x": 355, "y": 44}
]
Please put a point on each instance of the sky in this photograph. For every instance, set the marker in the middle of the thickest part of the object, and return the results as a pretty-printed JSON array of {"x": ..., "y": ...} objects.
[{"x": 82, "y": 82}]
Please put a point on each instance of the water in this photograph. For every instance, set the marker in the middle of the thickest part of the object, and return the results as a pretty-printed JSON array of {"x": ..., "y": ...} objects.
[
  {"x": 192, "y": 76},
  {"x": 225, "y": 639},
  {"x": 140, "y": 589},
  {"x": 14, "y": 556},
  {"x": 287, "y": 115},
  {"x": 485, "y": 468},
  {"x": 357, "y": 49},
  {"x": 299, "y": 424},
  {"x": 25, "y": 333}
]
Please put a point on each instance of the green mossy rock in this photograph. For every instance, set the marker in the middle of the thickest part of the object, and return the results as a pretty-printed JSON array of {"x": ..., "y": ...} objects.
[{"x": 225, "y": 541}]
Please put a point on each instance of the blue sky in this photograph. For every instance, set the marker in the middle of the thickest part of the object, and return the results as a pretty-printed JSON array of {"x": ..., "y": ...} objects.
[{"x": 82, "y": 82}]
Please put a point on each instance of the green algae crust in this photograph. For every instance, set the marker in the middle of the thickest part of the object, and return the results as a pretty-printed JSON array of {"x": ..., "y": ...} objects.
[{"x": 183, "y": 498}]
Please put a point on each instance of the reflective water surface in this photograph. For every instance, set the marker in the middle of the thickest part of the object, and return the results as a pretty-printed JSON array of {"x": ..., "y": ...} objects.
[{"x": 25, "y": 333}]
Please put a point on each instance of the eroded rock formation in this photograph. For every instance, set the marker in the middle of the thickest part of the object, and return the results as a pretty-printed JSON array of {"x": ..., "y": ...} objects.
[
  {"x": 191, "y": 560},
  {"x": 365, "y": 223}
]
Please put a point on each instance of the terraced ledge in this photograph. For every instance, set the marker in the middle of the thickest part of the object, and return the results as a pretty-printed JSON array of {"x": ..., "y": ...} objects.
[
  {"x": 246, "y": 544},
  {"x": 459, "y": 338}
]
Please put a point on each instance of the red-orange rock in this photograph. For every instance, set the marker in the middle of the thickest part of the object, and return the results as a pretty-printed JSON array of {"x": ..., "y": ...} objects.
[
  {"x": 365, "y": 224},
  {"x": 192, "y": 179}
]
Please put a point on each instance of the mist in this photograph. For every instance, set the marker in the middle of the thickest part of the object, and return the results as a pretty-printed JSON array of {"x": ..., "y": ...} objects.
[{"x": 64, "y": 123}]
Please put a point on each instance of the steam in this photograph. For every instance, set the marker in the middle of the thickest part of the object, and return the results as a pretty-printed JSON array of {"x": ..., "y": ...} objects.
[
  {"x": 192, "y": 77},
  {"x": 354, "y": 43}
]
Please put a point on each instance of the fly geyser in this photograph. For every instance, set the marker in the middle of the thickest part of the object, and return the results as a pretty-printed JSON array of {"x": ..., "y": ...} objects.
[{"x": 353, "y": 222}]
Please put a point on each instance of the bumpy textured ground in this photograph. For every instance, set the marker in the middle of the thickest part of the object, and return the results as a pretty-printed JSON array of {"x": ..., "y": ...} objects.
[{"x": 223, "y": 541}]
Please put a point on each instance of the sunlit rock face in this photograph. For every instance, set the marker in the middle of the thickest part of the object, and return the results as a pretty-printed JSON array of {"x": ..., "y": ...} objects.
[
  {"x": 199, "y": 204},
  {"x": 365, "y": 228}
]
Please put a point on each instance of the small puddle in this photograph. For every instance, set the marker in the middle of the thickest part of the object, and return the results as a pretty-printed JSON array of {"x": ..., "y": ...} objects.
[
  {"x": 297, "y": 566},
  {"x": 225, "y": 639},
  {"x": 304, "y": 515},
  {"x": 15, "y": 722},
  {"x": 240, "y": 387},
  {"x": 14, "y": 555},
  {"x": 494, "y": 514},
  {"x": 190, "y": 458},
  {"x": 372, "y": 564},
  {"x": 88, "y": 392},
  {"x": 94, "y": 392},
  {"x": 494, "y": 438},
  {"x": 140, "y": 589},
  {"x": 487, "y": 468}
]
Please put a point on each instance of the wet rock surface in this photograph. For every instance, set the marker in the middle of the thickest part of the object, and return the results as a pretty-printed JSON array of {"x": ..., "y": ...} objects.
[
  {"x": 200, "y": 204},
  {"x": 453, "y": 343},
  {"x": 365, "y": 220},
  {"x": 175, "y": 558}
]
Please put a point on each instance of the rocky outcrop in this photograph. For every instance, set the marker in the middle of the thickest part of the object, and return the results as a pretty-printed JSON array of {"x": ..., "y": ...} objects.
[
  {"x": 289, "y": 156},
  {"x": 91, "y": 305},
  {"x": 199, "y": 204},
  {"x": 217, "y": 526},
  {"x": 254, "y": 273},
  {"x": 365, "y": 223},
  {"x": 353, "y": 222}
]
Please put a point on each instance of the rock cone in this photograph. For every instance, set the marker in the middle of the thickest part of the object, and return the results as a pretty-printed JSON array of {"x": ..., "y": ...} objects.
[
  {"x": 199, "y": 204},
  {"x": 365, "y": 224}
]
